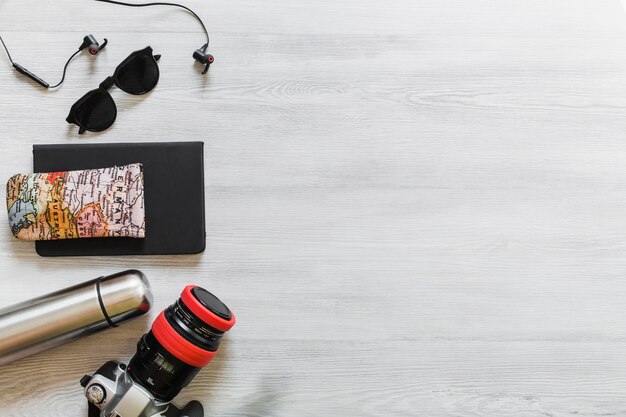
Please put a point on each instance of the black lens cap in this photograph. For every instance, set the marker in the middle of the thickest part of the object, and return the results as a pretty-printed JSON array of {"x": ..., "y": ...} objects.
[{"x": 212, "y": 303}]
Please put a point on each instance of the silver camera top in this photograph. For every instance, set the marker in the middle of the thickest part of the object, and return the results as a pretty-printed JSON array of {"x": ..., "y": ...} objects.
[{"x": 111, "y": 392}]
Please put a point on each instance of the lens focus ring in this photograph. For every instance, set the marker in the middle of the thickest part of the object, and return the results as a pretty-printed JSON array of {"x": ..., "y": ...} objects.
[{"x": 193, "y": 326}]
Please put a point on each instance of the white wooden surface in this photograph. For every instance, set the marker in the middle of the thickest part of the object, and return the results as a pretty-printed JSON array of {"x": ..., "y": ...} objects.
[{"x": 415, "y": 208}]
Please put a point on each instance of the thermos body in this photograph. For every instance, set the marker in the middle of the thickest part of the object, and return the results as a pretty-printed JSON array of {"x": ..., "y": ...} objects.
[{"x": 59, "y": 317}]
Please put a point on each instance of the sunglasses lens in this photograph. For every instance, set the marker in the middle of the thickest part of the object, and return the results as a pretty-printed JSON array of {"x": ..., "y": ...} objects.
[
  {"x": 95, "y": 111},
  {"x": 139, "y": 74}
]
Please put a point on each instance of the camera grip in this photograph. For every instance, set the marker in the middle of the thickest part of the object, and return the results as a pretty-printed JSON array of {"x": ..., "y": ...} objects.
[
  {"x": 92, "y": 410},
  {"x": 192, "y": 409}
]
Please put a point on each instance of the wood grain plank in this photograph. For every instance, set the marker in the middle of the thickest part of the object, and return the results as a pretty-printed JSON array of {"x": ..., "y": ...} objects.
[{"x": 415, "y": 208}]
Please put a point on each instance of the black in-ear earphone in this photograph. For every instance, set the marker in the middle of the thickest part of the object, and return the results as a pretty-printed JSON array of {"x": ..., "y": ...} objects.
[
  {"x": 199, "y": 54},
  {"x": 94, "y": 47},
  {"x": 88, "y": 42},
  {"x": 202, "y": 57}
]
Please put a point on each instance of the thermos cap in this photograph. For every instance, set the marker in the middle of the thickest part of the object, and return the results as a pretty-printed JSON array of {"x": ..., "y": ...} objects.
[{"x": 124, "y": 295}]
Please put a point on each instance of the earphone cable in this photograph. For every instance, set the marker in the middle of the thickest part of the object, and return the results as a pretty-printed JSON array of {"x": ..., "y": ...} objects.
[
  {"x": 65, "y": 69},
  {"x": 121, "y": 3},
  {"x": 6, "y": 49}
]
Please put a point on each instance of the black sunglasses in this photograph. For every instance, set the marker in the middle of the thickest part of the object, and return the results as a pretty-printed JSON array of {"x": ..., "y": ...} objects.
[{"x": 96, "y": 110}]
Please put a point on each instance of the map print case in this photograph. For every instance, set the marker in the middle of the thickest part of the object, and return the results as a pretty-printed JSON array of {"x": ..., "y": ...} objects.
[{"x": 106, "y": 202}]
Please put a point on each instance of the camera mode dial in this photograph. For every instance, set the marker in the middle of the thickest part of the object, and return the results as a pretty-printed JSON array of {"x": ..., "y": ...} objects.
[{"x": 96, "y": 394}]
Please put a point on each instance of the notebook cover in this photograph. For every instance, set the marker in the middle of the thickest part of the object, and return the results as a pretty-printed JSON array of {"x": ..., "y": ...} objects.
[{"x": 173, "y": 192}]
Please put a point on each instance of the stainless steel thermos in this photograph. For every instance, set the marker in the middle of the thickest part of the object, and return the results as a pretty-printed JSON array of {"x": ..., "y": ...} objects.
[{"x": 53, "y": 319}]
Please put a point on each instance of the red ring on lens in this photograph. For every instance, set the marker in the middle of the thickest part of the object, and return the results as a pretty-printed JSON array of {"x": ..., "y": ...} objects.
[
  {"x": 178, "y": 345},
  {"x": 204, "y": 313}
]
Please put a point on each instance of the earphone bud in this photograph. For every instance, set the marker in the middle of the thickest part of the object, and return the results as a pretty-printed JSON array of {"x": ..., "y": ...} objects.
[
  {"x": 202, "y": 57},
  {"x": 94, "y": 47}
]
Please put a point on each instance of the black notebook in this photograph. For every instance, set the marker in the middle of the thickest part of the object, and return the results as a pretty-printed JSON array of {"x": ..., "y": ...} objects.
[{"x": 173, "y": 193}]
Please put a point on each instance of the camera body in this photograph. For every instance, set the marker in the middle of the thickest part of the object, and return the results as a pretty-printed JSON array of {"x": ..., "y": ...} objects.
[
  {"x": 183, "y": 339},
  {"x": 112, "y": 392}
]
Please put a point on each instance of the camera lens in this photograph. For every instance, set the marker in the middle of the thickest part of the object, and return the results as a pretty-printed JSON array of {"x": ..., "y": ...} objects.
[{"x": 183, "y": 339}]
